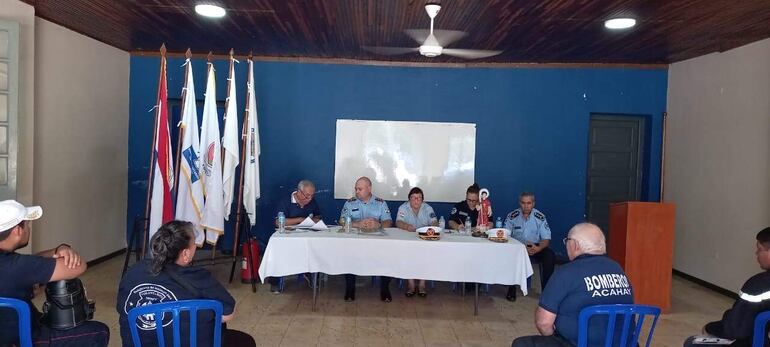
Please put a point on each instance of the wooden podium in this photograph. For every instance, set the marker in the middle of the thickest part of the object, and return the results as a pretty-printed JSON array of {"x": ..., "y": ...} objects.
[{"x": 641, "y": 239}]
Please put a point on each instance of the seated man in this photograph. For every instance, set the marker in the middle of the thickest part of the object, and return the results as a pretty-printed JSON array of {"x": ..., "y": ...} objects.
[
  {"x": 463, "y": 210},
  {"x": 21, "y": 272},
  {"x": 591, "y": 278},
  {"x": 366, "y": 212},
  {"x": 738, "y": 322},
  {"x": 534, "y": 233},
  {"x": 296, "y": 207}
]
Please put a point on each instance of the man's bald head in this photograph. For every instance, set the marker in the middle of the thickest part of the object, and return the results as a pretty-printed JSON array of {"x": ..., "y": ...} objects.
[
  {"x": 588, "y": 239},
  {"x": 363, "y": 188},
  {"x": 365, "y": 180}
]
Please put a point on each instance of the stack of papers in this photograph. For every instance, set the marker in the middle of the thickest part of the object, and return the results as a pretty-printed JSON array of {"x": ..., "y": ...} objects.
[{"x": 309, "y": 224}]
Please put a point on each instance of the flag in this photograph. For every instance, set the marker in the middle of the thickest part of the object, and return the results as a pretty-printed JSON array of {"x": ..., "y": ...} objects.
[
  {"x": 230, "y": 141},
  {"x": 189, "y": 198},
  {"x": 211, "y": 149},
  {"x": 161, "y": 205},
  {"x": 251, "y": 190}
]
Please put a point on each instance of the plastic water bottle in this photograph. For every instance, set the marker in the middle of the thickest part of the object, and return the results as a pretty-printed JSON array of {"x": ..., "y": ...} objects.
[
  {"x": 348, "y": 222},
  {"x": 281, "y": 222},
  {"x": 441, "y": 223},
  {"x": 499, "y": 223},
  {"x": 468, "y": 225}
]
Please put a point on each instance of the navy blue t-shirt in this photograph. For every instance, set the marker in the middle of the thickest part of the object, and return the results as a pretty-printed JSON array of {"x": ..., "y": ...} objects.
[
  {"x": 588, "y": 280},
  {"x": 291, "y": 208},
  {"x": 18, "y": 273},
  {"x": 140, "y": 288}
]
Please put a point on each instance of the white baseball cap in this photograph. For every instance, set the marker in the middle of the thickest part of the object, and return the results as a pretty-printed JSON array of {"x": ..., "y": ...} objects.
[{"x": 13, "y": 213}]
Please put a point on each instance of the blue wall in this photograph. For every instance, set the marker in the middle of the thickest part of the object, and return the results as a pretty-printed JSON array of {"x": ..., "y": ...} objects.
[{"x": 532, "y": 125}]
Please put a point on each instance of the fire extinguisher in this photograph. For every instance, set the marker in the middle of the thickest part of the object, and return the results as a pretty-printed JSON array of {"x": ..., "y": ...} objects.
[{"x": 251, "y": 259}]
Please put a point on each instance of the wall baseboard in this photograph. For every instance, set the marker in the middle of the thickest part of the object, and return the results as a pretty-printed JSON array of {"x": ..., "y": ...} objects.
[
  {"x": 106, "y": 257},
  {"x": 714, "y": 287}
]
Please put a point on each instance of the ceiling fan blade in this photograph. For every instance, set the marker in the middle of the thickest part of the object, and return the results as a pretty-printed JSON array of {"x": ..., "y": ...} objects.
[
  {"x": 444, "y": 37},
  {"x": 390, "y": 50},
  {"x": 469, "y": 53}
]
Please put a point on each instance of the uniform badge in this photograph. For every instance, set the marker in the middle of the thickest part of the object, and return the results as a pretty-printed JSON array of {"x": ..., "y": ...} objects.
[{"x": 454, "y": 210}]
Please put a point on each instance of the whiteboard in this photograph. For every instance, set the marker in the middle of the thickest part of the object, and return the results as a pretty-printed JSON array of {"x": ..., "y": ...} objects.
[{"x": 437, "y": 157}]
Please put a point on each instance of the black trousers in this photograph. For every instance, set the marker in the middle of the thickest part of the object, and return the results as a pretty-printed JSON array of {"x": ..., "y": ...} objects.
[
  {"x": 541, "y": 341},
  {"x": 350, "y": 283},
  {"x": 547, "y": 259},
  {"x": 88, "y": 334},
  {"x": 237, "y": 338}
]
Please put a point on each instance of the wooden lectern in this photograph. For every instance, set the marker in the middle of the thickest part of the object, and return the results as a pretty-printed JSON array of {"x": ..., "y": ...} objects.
[{"x": 641, "y": 239}]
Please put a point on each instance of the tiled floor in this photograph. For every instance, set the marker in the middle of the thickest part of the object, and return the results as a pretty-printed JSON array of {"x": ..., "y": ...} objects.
[{"x": 443, "y": 318}]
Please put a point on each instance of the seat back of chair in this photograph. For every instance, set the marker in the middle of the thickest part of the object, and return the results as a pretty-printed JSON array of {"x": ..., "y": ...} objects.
[
  {"x": 22, "y": 310},
  {"x": 631, "y": 318},
  {"x": 760, "y": 326},
  {"x": 175, "y": 308}
]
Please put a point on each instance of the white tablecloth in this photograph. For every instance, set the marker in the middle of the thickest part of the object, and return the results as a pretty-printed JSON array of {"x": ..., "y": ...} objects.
[{"x": 399, "y": 254}]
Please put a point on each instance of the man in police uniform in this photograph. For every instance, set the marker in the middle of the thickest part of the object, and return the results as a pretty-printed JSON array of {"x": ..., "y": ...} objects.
[
  {"x": 465, "y": 209},
  {"x": 737, "y": 323},
  {"x": 591, "y": 278},
  {"x": 366, "y": 212},
  {"x": 296, "y": 207},
  {"x": 529, "y": 226}
]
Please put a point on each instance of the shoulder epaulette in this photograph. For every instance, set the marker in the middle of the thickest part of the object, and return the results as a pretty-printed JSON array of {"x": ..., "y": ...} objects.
[
  {"x": 515, "y": 214},
  {"x": 539, "y": 215},
  {"x": 378, "y": 199},
  {"x": 352, "y": 199}
]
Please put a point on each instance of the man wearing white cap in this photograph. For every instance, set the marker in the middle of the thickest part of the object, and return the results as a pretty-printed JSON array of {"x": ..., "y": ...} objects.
[{"x": 21, "y": 273}]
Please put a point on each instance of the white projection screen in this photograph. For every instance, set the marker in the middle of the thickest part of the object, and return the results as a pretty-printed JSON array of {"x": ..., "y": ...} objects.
[{"x": 396, "y": 156}]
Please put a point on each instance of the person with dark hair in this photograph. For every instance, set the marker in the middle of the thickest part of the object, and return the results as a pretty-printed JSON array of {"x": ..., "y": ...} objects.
[
  {"x": 23, "y": 275},
  {"x": 411, "y": 215},
  {"x": 737, "y": 323},
  {"x": 466, "y": 209},
  {"x": 168, "y": 276},
  {"x": 366, "y": 211},
  {"x": 530, "y": 227}
]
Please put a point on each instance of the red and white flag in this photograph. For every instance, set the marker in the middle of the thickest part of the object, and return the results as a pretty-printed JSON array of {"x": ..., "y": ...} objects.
[{"x": 161, "y": 204}]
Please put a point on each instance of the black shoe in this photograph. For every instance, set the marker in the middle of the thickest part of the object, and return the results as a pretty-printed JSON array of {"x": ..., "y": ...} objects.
[
  {"x": 409, "y": 294},
  {"x": 511, "y": 296},
  {"x": 275, "y": 288},
  {"x": 422, "y": 293},
  {"x": 385, "y": 295},
  {"x": 350, "y": 295}
]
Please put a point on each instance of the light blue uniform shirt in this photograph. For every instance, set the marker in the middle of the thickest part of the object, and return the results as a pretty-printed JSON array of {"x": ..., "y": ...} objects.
[
  {"x": 374, "y": 208},
  {"x": 424, "y": 217},
  {"x": 531, "y": 230}
]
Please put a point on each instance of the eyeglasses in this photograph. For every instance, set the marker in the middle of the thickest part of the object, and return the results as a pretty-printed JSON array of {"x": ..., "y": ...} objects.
[
  {"x": 472, "y": 200},
  {"x": 566, "y": 239},
  {"x": 306, "y": 196}
]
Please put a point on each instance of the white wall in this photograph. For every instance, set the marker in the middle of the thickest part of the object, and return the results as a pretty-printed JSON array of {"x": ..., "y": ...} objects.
[
  {"x": 81, "y": 141},
  {"x": 17, "y": 11},
  {"x": 718, "y": 161}
]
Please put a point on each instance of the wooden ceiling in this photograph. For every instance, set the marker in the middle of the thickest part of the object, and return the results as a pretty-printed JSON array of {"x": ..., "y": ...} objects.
[{"x": 529, "y": 31}]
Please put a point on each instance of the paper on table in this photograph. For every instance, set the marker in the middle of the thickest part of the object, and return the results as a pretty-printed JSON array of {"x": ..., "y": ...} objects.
[{"x": 309, "y": 224}]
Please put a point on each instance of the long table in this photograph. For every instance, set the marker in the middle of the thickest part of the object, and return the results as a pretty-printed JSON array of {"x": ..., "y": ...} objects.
[{"x": 399, "y": 254}]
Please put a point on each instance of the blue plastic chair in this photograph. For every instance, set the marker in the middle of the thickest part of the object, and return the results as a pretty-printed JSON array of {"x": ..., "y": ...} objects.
[
  {"x": 175, "y": 308},
  {"x": 25, "y": 327},
  {"x": 633, "y": 319},
  {"x": 760, "y": 323},
  {"x": 282, "y": 282}
]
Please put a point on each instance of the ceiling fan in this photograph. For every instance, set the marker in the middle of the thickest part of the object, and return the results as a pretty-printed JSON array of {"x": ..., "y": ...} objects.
[{"x": 432, "y": 42}]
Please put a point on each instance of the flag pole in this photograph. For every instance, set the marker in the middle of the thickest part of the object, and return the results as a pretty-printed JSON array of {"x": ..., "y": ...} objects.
[
  {"x": 244, "y": 148},
  {"x": 188, "y": 64},
  {"x": 151, "y": 172}
]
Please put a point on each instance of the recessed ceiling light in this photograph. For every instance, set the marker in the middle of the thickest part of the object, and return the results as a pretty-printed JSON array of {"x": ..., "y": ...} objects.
[
  {"x": 619, "y": 23},
  {"x": 212, "y": 11}
]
